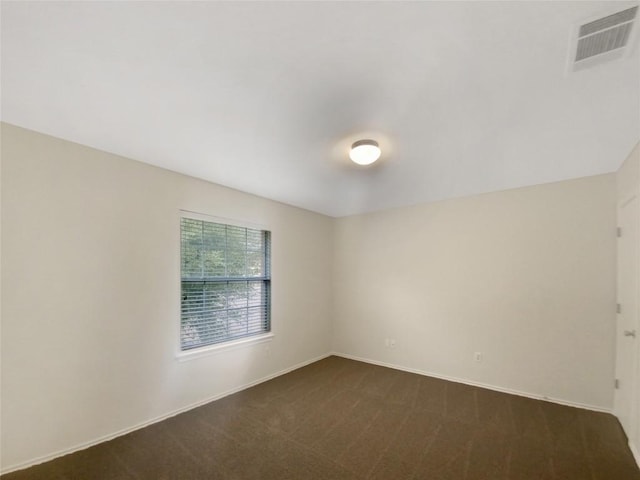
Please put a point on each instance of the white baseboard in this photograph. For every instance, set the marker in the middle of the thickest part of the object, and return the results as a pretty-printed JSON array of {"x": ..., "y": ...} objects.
[
  {"x": 111, "y": 436},
  {"x": 475, "y": 384}
]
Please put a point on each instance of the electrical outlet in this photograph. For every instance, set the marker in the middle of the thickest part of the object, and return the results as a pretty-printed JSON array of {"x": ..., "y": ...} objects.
[
  {"x": 477, "y": 357},
  {"x": 392, "y": 343}
]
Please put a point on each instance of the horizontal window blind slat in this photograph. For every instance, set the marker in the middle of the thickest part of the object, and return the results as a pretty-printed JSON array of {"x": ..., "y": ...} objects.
[{"x": 220, "y": 279}]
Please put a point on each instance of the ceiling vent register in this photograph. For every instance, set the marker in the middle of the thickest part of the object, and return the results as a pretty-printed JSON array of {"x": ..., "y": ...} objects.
[{"x": 603, "y": 39}]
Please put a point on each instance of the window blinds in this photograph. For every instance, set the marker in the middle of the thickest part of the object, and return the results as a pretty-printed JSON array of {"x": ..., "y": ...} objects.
[{"x": 225, "y": 276}]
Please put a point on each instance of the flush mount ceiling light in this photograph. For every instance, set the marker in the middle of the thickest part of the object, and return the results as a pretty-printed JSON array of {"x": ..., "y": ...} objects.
[{"x": 365, "y": 152}]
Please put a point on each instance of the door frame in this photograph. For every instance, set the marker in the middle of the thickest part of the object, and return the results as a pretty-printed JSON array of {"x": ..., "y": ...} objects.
[{"x": 633, "y": 430}]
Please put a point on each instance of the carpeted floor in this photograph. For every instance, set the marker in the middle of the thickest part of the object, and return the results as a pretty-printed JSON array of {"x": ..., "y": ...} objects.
[{"x": 340, "y": 419}]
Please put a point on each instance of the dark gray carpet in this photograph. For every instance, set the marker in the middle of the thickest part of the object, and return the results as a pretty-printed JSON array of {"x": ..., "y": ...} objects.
[{"x": 340, "y": 419}]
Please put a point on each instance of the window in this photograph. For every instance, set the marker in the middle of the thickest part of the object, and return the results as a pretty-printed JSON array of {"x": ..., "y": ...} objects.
[{"x": 225, "y": 277}]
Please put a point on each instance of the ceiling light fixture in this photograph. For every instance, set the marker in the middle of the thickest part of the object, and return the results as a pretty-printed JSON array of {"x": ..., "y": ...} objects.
[{"x": 365, "y": 152}]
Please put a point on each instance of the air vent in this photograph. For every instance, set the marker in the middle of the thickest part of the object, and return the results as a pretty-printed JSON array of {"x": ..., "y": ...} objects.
[{"x": 603, "y": 39}]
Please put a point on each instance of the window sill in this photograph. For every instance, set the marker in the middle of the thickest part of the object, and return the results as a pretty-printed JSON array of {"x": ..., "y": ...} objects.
[{"x": 223, "y": 347}]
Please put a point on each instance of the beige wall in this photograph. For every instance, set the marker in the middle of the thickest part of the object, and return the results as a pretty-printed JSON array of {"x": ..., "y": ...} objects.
[
  {"x": 526, "y": 276},
  {"x": 628, "y": 183},
  {"x": 90, "y": 283}
]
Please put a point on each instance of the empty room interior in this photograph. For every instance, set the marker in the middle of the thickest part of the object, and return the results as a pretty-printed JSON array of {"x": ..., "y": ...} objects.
[{"x": 320, "y": 240}]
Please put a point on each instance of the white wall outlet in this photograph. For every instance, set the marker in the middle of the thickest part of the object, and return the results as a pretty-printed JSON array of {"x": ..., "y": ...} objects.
[
  {"x": 392, "y": 343},
  {"x": 477, "y": 357}
]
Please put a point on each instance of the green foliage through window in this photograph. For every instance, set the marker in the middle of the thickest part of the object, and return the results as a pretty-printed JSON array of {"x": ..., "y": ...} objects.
[{"x": 225, "y": 278}]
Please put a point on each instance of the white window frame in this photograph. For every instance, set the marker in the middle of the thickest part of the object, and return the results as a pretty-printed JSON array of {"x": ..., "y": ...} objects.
[{"x": 198, "y": 352}]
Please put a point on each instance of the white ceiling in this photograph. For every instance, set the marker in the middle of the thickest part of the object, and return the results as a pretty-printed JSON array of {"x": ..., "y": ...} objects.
[{"x": 464, "y": 97}]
